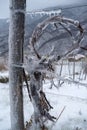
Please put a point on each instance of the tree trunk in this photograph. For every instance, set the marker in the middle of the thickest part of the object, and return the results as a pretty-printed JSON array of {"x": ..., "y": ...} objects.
[
  {"x": 40, "y": 103},
  {"x": 16, "y": 40},
  {"x": 35, "y": 88}
]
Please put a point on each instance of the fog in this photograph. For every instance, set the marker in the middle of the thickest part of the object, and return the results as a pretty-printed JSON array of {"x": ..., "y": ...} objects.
[
  {"x": 38, "y": 4},
  {"x": 49, "y": 3}
]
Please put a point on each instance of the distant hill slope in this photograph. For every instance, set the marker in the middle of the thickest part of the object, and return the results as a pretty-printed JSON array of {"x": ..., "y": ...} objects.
[{"x": 61, "y": 41}]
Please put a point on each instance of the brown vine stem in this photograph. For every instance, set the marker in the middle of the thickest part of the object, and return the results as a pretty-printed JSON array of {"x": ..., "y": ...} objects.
[
  {"x": 60, "y": 113},
  {"x": 58, "y": 117}
]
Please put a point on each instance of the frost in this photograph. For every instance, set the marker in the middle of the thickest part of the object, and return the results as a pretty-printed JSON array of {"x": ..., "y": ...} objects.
[
  {"x": 76, "y": 22},
  {"x": 19, "y": 11},
  {"x": 49, "y": 13}
]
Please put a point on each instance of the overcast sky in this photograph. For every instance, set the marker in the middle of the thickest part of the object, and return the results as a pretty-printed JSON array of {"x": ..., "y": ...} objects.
[{"x": 37, "y": 4}]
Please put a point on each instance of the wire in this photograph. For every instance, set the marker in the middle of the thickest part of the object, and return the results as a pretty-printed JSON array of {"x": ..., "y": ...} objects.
[{"x": 68, "y": 96}]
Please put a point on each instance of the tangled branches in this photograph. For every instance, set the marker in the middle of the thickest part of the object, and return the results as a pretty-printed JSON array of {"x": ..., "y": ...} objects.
[
  {"x": 36, "y": 65},
  {"x": 57, "y": 20}
]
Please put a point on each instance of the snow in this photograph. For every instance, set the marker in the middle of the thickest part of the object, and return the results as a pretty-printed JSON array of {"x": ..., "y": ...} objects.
[
  {"x": 4, "y": 107},
  {"x": 73, "y": 97},
  {"x": 4, "y": 74},
  {"x": 42, "y": 12},
  {"x": 19, "y": 11},
  {"x": 75, "y": 100}
]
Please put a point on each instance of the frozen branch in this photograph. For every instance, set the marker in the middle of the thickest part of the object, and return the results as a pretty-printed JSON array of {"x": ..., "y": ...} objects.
[
  {"x": 44, "y": 12},
  {"x": 37, "y": 33},
  {"x": 36, "y": 65},
  {"x": 70, "y": 81}
]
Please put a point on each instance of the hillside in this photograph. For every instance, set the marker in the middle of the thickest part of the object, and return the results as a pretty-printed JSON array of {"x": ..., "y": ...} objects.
[{"x": 52, "y": 36}]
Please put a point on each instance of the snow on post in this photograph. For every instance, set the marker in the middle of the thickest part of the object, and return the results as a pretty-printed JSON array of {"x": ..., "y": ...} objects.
[{"x": 16, "y": 40}]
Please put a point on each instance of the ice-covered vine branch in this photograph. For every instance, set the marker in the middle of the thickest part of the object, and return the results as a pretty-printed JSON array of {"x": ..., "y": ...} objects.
[
  {"x": 56, "y": 20},
  {"x": 37, "y": 65},
  {"x": 43, "y": 62}
]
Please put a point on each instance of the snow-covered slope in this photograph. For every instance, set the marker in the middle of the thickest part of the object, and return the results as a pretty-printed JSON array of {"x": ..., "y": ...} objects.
[
  {"x": 32, "y": 19},
  {"x": 71, "y": 96}
]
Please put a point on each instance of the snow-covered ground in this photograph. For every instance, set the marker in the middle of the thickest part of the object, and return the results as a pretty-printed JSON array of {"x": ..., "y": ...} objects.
[
  {"x": 72, "y": 97},
  {"x": 4, "y": 73}
]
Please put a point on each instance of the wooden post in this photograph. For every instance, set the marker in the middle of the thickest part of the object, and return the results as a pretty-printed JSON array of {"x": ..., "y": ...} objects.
[{"x": 16, "y": 40}]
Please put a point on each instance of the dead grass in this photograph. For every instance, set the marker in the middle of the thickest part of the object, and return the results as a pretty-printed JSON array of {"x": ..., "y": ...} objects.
[
  {"x": 3, "y": 67},
  {"x": 4, "y": 79}
]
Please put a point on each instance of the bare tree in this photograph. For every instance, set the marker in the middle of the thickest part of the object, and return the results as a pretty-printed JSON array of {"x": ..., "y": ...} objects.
[
  {"x": 37, "y": 65},
  {"x": 16, "y": 40}
]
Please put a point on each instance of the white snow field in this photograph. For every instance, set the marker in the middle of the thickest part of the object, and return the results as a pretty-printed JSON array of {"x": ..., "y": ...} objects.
[{"x": 71, "y": 96}]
